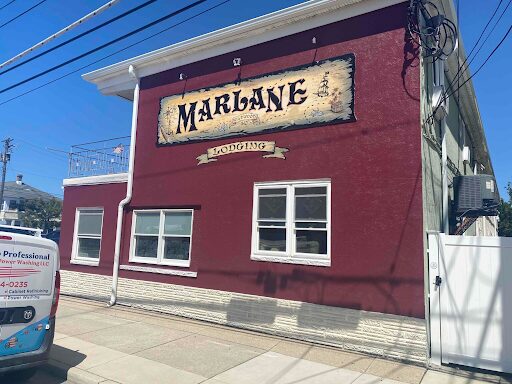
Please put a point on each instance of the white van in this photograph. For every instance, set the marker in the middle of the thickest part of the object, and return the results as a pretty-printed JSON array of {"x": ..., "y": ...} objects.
[{"x": 29, "y": 294}]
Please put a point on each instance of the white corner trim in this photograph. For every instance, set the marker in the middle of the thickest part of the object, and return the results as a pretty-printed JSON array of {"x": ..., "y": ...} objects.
[
  {"x": 161, "y": 271},
  {"x": 114, "y": 79},
  {"x": 89, "y": 263},
  {"x": 292, "y": 260},
  {"x": 96, "y": 180}
]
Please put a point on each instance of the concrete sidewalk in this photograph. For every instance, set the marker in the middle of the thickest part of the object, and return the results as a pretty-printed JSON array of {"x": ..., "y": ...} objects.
[{"x": 96, "y": 344}]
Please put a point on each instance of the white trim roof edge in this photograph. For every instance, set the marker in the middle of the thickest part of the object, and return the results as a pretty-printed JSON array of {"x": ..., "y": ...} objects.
[
  {"x": 238, "y": 36},
  {"x": 114, "y": 178},
  {"x": 114, "y": 79},
  {"x": 468, "y": 100}
]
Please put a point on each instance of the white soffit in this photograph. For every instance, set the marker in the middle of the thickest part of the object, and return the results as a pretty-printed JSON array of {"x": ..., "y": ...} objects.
[{"x": 115, "y": 80}]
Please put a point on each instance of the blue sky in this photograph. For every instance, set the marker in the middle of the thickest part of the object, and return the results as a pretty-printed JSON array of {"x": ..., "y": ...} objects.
[{"x": 72, "y": 111}]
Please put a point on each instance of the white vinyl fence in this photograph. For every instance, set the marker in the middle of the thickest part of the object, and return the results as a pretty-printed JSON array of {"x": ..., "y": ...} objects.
[{"x": 470, "y": 296}]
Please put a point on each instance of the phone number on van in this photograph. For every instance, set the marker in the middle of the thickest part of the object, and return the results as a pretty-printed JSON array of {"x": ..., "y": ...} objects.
[{"x": 14, "y": 284}]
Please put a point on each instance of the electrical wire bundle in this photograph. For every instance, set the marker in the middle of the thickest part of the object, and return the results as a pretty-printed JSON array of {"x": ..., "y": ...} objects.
[{"x": 436, "y": 34}]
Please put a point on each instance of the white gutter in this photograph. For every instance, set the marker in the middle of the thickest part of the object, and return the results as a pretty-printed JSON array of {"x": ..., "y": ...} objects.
[
  {"x": 113, "y": 80},
  {"x": 129, "y": 186}
]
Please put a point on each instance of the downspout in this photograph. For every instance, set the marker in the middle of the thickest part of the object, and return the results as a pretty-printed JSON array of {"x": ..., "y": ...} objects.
[
  {"x": 444, "y": 161},
  {"x": 129, "y": 186},
  {"x": 444, "y": 158}
]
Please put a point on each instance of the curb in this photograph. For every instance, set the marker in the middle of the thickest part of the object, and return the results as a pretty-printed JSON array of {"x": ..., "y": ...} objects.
[{"x": 73, "y": 374}]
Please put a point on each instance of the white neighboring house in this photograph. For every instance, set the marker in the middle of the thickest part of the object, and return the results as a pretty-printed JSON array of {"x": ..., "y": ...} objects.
[{"x": 15, "y": 195}]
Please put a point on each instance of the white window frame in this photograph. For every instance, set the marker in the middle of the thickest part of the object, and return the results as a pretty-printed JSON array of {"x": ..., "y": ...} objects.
[
  {"x": 290, "y": 256},
  {"x": 75, "y": 259},
  {"x": 159, "y": 260}
]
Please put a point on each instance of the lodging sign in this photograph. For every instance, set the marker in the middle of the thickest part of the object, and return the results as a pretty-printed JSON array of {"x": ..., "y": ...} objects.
[
  {"x": 296, "y": 98},
  {"x": 268, "y": 147}
]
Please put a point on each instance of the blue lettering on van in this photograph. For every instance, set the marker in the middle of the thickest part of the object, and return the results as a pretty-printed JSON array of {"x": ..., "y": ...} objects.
[{"x": 21, "y": 255}]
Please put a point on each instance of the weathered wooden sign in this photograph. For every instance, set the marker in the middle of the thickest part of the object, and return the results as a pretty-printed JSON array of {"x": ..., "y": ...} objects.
[
  {"x": 242, "y": 146},
  {"x": 296, "y": 98}
]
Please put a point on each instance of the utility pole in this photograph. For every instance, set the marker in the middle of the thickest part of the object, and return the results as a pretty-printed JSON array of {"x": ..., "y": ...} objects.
[{"x": 5, "y": 156}]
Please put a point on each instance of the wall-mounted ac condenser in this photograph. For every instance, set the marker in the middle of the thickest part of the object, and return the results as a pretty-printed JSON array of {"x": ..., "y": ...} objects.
[{"x": 476, "y": 195}]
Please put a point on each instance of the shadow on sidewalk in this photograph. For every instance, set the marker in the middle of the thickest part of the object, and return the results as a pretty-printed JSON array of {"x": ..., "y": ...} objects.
[
  {"x": 66, "y": 357},
  {"x": 55, "y": 372}
]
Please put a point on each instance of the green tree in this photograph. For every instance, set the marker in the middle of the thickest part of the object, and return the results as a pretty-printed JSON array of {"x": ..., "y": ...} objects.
[
  {"x": 43, "y": 214},
  {"x": 505, "y": 209}
]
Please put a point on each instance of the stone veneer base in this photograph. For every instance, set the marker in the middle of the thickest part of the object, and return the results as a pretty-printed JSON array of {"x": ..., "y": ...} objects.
[{"x": 385, "y": 335}]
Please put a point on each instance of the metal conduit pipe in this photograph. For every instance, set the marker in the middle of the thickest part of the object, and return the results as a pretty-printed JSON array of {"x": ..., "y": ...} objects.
[{"x": 129, "y": 187}]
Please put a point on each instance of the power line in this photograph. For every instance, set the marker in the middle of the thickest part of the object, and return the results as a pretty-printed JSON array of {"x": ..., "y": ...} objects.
[
  {"x": 112, "y": 54},
  {"x": 486, "y": 38},
  {"x": 78, "y": 36},
  {"x": 450, "y": 91},
  {"x": 100, "y": 141},
  {"x": 45, "y": 151},
  {"x": 56, "y": 150},
  {"x": 9, "y": 3},
  {"x": 483, "y": 64},
  {"x": 36, "y": 174},
  {"x": 172, "y": 14},
  {"x": 21, "y": 14},
  {"x": 61, "y": 32},
  {"x": 458, "y": 93},
  {"x": 451, "y": 83}
]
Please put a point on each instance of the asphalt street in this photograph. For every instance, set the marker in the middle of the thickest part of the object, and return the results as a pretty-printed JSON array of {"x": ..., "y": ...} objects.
[{"x": 41, "y": 377}]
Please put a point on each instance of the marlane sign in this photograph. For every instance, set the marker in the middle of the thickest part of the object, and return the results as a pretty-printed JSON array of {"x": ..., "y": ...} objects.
[{"x": 296, "y": 98}]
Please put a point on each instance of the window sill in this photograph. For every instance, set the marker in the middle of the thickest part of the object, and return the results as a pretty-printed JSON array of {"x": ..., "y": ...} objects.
[
  {"x": 141, "y": 260},
  {"x": 161, "y": 271},
  {"x": 292, "y": 260},
  {"x": 90, "y": 263}
]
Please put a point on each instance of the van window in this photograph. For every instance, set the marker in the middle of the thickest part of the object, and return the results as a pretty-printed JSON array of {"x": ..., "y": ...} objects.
[{"x": 87, "y": 238}]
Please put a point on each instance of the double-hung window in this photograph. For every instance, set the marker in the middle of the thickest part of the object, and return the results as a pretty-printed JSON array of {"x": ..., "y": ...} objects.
[
  {"x": 162, "y": 237},
  {"x": 291, "y": 222},
  {"x": 87, "y": 239}
]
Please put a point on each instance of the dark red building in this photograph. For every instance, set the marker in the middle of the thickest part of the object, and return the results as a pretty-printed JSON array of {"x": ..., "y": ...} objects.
[{"x": 278, "y": 181}]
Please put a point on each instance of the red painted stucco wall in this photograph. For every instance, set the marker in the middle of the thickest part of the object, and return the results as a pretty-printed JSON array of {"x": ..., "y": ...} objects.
[
  {"x": 374, "y": 165},
  {"x": 106, "y": 196}
]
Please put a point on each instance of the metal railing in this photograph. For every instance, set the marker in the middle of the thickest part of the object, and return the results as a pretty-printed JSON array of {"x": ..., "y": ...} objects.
[{"x": 99, "y": 157}]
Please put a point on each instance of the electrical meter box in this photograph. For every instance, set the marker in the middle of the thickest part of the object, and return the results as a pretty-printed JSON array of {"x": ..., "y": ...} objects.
[{"x": 476, "y": 195}]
